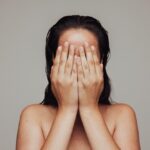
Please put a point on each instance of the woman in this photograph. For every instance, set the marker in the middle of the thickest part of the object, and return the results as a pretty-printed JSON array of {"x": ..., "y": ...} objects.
[{"x": 76, "y": 113}]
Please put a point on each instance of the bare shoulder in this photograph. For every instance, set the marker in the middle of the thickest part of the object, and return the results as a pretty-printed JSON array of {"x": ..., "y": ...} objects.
[
  {"x": 126, "y": 126},
  {"x": 121, "y": 108},
  {"x": 29, "y": 132},
  {"x": 122, "y": 113},
  {"x": 125, "y": 113},
  {"x": 37, "y": 111},
  {"x": 118, "y": 110}
]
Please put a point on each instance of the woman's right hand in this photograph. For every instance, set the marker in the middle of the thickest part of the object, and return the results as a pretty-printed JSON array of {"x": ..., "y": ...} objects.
[{"x": 64, "y": 76}]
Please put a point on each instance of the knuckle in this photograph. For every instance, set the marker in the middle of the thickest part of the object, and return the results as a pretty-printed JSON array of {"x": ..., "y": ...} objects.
[
  {"x": 55, "y": 62},
  {"x": 86, "y": 66},
  {"x": 73, "y": 70},
  {"x": 94, "y": 80},
  {"x": 53, "y": 80},
  {"x": 87, "y": 83},
  {"x": 97, "y": 62},
  {"x": 68, "y": 65},
  {"x": 68, "y": 81},
  {"x": 62, "y": 61},
  {"x": 91, "y": 62},
  {"x": 59, "y": 81},
  {"x": 80, "y": 71},
  {"x": 101, "y": 80}
]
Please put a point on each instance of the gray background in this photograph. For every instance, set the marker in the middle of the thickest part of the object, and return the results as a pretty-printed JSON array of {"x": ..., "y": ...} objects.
[{"x": 23, "y": 29}]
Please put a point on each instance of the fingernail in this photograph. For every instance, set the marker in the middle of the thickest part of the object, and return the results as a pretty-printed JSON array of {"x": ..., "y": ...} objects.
[
  {"x": 86, "y": 43},
  {"x": 66, "y": 43},
  {"x": 59, "y": 47},
  {"x": 92, "y": 48}
]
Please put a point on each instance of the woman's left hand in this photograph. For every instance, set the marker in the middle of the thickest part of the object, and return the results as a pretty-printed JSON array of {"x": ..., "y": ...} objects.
[{"x": 90, "y": 76}]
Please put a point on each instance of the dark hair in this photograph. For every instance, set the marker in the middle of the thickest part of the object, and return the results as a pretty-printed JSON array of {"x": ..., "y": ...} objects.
[{"x": 52, "y": 38}]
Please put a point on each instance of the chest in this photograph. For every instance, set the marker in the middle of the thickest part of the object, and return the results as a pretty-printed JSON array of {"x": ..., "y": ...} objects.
[{"x": 79, "y": 139}]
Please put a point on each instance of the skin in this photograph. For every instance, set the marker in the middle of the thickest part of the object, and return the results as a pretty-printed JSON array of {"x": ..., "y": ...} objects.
[{"x": 77, "y": 82}]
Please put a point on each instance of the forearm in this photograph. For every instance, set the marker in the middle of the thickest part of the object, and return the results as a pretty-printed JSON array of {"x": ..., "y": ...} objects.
[
  {"x": 96, "y": 129},
  {"x": 60, "y": 133}
]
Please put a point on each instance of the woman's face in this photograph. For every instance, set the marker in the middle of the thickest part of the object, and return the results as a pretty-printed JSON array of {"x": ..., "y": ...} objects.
[{"x": 77, "y": 37}]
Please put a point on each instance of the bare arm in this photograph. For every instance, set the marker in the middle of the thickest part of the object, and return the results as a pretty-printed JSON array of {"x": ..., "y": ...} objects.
[
  {"x": 64, "y": 86},
  {"x": 30, "y": 136},
  {"x": 60, "y": 133},
  {"x": 91, "y": 84},
  {"x": 96, "y": 129},
  {"x": 126, "y": 135}
]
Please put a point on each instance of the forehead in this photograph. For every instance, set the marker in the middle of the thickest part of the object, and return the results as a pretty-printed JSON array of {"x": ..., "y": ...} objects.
[{"x": 78, "y": 36}]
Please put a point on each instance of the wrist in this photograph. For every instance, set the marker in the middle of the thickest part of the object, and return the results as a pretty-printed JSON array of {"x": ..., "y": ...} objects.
[
  {"x": 89, "y": 108},
  {"x": 70, "y": 109}
]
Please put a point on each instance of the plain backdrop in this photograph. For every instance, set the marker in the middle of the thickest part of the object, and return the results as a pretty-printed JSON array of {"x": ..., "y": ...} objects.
[{"x": 23, "y": 29}]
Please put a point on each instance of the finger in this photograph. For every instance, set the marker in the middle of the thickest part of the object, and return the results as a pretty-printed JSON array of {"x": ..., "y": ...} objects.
[
  {"x": 96, "y": 60},
  {"x": 101, "y": 69},
  {"x": 80, "y": 73},
  {"x": 54, "y": 91},
  {"x": 52, "y": 86},
  {"x": 90, "y": 59},
  {"x": 63, "y": 57},
  {"x": 74, "y": 70},
  {"x": 84, "y": 63},
  {"x": 69, "y": 63},
  {"x": 56, "y": 61}
]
